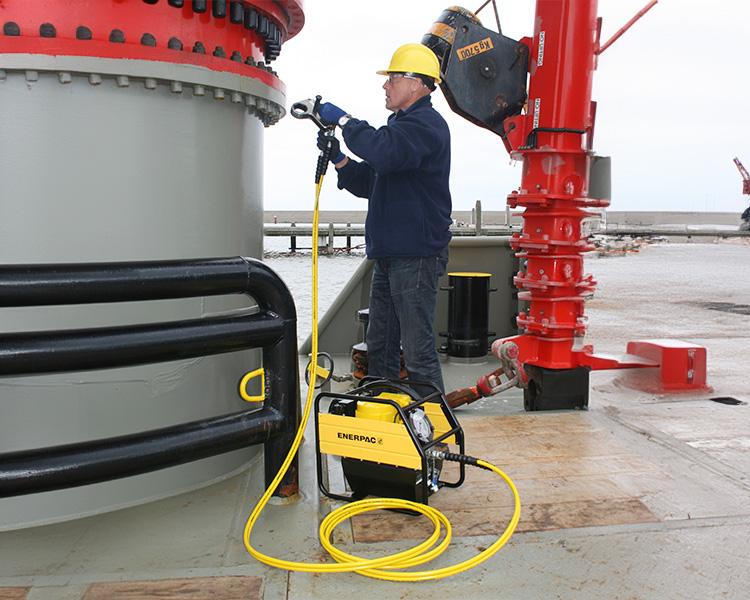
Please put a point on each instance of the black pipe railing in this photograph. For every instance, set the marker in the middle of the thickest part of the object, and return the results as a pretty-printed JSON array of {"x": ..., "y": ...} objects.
[{"x": 273, "y": 328}]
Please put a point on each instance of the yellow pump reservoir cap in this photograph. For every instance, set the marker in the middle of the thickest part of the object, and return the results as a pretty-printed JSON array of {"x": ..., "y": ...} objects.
[
  {"x": 379, "y": 411},
  {"x": 375, "y": 411}
]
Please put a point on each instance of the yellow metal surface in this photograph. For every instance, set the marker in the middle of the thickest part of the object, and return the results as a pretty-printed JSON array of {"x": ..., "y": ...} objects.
[
  {"x": 367, "y": 439},
  {"x": 469, "y": 274},
  {"x": 435, "y": 414}
]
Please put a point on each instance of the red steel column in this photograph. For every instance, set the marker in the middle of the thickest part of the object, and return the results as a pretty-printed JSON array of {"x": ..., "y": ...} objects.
[{"x": 554, "y": 188}]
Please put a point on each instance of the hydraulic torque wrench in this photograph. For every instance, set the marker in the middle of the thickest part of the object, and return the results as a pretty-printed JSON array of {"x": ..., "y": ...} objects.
[{"x": 309, "y": 109}]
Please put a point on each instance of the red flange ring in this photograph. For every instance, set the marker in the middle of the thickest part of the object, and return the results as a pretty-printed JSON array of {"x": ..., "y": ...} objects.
[{"x": 220, "y": 35}]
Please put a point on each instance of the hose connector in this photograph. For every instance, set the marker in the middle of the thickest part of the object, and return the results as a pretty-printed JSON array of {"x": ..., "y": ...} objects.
[{"x": 451, "y": 456}]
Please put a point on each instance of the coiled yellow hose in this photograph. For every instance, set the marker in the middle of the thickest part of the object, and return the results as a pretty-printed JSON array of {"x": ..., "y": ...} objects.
[{"x": 378, "y": 568}]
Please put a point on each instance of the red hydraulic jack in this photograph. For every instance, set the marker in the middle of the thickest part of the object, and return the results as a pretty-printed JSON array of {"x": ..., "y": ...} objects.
[{"x": 554, "y": 140}]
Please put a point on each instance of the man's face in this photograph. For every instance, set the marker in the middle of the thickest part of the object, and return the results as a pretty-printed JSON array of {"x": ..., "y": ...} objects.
[{"x": 400, "y": 91}]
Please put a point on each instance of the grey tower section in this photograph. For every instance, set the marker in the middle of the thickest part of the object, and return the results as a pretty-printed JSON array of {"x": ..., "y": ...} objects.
[{"x": 121, "y": 160}]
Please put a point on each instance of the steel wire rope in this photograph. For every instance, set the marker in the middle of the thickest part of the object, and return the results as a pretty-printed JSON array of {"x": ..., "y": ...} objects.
[
  {"x": 497, "y": 15},
  {"x": 378, "y": 568}
]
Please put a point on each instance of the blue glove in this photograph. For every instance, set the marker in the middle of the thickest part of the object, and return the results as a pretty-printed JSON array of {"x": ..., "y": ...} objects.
[
  {"x": 328, "y": 141},
  {"x": 330, "y": 113}
]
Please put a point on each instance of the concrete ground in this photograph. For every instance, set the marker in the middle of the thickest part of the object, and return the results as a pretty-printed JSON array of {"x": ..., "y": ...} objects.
[{"x": 642, "y": 496}]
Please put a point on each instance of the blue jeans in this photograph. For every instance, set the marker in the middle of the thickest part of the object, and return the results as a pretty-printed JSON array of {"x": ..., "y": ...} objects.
[{"x": 403, "y": 296}]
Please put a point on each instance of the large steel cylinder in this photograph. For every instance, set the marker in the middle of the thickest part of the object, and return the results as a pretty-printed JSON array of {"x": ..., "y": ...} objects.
[
  {"x": 468, "y": 314},
  {"x": 131, "y": 131}
]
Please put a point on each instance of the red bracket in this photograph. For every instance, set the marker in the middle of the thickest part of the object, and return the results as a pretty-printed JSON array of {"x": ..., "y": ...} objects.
[{"x": 681, "y": 367}]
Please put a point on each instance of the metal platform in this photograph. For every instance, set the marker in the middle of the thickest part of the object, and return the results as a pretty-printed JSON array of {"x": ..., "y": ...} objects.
[{"x": 642, "y": 496}]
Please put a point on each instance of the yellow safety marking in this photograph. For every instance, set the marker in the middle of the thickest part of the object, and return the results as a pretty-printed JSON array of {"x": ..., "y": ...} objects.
[
  {"x": 475, "y": 49},
  {"x": 444, "y": 32},
  {"x": 319, "y": 372},
  {"x": 246, "y": 379},
  {"x": 367, "y": 439},
  {"x": 469, "y": 274}
]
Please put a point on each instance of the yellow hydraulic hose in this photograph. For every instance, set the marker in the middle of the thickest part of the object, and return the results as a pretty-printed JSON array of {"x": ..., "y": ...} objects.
[{"x": 378, "y": 568}]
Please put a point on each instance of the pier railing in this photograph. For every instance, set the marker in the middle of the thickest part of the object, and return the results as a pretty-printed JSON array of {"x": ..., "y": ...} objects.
[{"x": 329, "y": 232}]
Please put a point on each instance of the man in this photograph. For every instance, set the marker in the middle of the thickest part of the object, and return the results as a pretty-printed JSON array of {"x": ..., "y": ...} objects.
[{"x": 404, "y": 174}]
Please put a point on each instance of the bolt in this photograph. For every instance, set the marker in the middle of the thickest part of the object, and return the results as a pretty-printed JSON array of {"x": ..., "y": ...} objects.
[
  {"x": 219, "y": 8},
  {"x": 47, "y": 30},
  {"x": 83, "y": 33},
  {"x": 251, "y": 18},
  {"x": 236, "y": 12},
  {"x": 11, "y": 28}
]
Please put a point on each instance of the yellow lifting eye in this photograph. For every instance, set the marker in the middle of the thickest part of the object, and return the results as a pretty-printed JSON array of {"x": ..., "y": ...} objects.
[{"x": 246, "y": 379}]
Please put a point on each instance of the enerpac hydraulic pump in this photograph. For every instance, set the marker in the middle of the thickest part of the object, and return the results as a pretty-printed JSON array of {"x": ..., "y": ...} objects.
[{"x": 390, "y": 439}]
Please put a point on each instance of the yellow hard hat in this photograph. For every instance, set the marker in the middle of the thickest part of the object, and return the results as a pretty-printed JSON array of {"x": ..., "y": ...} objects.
[{"x": 414, "y": 58}]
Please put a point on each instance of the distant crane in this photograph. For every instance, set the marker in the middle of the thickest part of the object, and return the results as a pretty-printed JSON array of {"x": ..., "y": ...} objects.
[
  {"x": 745, "y": 225},
  {"x": 745, "y": 176}
]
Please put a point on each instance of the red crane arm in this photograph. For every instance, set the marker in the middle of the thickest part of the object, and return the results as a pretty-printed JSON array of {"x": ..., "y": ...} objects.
[{"x": 742, "y": 169}]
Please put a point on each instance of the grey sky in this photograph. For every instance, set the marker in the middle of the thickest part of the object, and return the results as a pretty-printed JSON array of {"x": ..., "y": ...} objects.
[{"x": 673, "y": 101}]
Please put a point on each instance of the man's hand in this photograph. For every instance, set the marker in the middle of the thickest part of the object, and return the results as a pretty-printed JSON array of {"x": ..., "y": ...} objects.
[
  {"x": 326, "y": 142},
  {"x": 330, "y": 113}
]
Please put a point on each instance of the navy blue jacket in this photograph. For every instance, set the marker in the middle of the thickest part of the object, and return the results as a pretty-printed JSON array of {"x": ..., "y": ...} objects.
[{"x": 404, "y": 174}]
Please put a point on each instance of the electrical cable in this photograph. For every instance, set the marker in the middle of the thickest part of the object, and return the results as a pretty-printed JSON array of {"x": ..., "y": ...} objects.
[{"x": 378, "y": 568}]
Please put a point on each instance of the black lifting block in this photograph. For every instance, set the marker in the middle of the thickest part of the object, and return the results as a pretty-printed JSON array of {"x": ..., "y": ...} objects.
[{"x": 556, "y": 389}]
